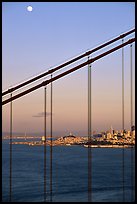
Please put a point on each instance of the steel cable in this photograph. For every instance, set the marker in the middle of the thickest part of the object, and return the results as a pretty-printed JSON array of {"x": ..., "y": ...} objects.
[
  {"x": 123, "y": 128},
  {"x": 10, "y": 176},
  {"x": 89, "y": 134}
]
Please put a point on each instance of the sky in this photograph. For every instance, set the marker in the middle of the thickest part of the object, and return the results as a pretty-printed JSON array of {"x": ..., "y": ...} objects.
[{"x": 52, "y": 33}]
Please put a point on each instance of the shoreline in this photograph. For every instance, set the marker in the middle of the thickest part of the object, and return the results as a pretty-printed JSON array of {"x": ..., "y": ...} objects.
[
  {"x": 110, "y": 146},
  {"x": 36, "y": 143}
]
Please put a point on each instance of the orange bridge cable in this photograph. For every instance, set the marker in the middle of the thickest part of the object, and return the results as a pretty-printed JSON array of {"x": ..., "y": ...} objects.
[
  {"x": 67, "y": 72},
  {"x": 67, "y": 63}
]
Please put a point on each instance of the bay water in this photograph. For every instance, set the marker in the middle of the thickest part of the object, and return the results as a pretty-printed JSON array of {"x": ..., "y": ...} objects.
[{"x": 69, "y": 173}]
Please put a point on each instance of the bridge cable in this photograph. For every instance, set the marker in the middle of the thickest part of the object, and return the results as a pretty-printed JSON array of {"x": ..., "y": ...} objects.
[
  {"x": 89, "y": 133},
  {"x": 51, "y": 147},
  {"x": 45, "y": 136},
  {"x": 132, "y": 155},
  {"x": 10, "y": 176},
  {"x": 67, "y": 72},
  {"x": 66, "y": 63},
  {"x": 123, "y": 130}
]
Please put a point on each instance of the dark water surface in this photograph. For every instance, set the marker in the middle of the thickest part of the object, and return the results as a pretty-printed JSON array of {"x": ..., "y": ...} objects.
[{"x": 70, "y": 174}]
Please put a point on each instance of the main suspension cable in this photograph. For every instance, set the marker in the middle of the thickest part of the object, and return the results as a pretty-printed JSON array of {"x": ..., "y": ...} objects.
[
  {"x": 67, "y": 63},
  {"x": 67, "y": 72}
]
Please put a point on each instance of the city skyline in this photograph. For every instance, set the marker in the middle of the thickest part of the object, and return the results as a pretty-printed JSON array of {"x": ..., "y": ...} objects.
[{"x": 36, "y": 41}]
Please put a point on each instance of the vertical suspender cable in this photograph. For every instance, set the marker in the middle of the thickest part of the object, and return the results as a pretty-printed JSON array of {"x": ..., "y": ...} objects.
[
  {"x": 89, "y": 132},
  {"x": 51, "y": 149},
  {"x": 123, "y": 166},
  {"x": 10, "y": 195},
  {"x": 45, "y": 136},
  {"x": 131, "y": 85},
  {"x": 132, "y": 163}
]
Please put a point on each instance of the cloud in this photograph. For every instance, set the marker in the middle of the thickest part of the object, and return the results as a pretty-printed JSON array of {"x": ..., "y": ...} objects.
[{"x": 41, "y": 114}]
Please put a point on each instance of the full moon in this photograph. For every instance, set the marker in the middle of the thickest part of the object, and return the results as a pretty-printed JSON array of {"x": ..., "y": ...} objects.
[{"x": 29, "y": 8}]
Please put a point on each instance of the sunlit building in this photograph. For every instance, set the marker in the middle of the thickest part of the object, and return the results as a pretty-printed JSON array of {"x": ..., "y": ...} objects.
[
  {"x": 43, "y": 138},
  {"x": 108, "y": 136}
]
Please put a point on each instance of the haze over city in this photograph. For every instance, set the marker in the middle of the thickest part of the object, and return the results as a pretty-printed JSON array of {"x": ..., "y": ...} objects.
[{"x": 53, "y": 32}]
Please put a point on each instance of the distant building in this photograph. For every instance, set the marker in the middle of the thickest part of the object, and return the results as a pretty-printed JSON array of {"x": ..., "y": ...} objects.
[
  {"x": 128, "y": 132},
  {"x": 69, "y": 136},
  {"x": 111, "y": 130},
  {"x": 119, "y": 135},
  {"x": 43, "y": 138},
  {"x": 103, "y": 135},
  {"x": 108, "y": 136},
  {"x": 99, "y": 135},
  {"x": 133, "y": 128},
  {"x": 133, "y": 131},
  {"x": 115, "y": 136}
]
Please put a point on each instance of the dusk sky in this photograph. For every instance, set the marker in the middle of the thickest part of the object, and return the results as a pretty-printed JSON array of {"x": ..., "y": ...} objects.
[{"x": 53, "y": 32}]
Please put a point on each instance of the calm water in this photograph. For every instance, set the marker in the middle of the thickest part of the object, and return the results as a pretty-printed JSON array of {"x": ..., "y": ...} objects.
[{"x": 70, "y": 174}]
